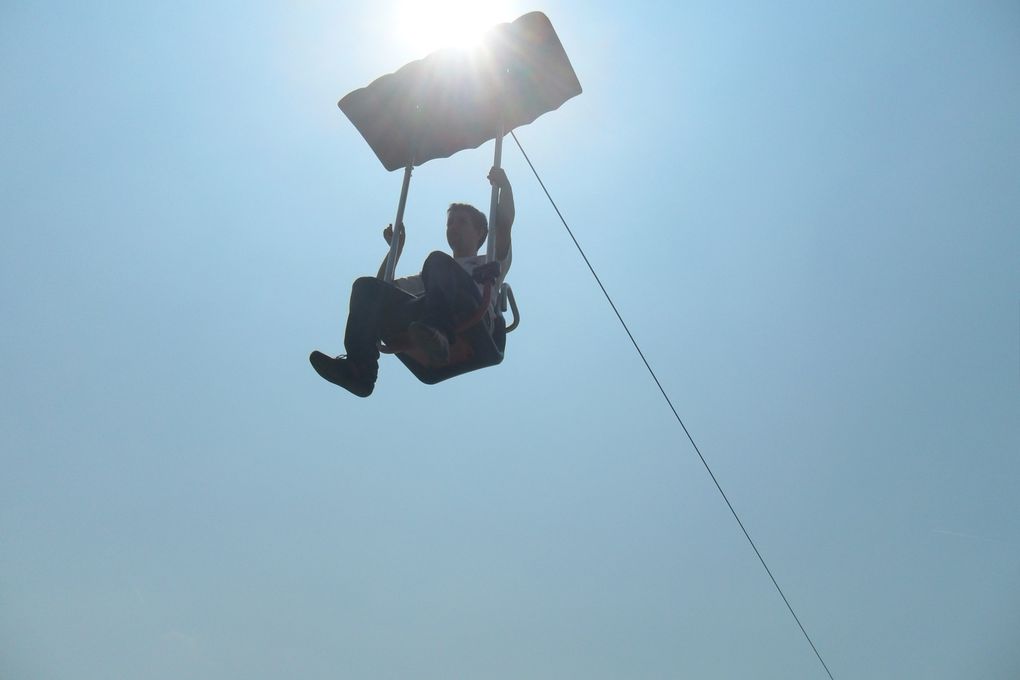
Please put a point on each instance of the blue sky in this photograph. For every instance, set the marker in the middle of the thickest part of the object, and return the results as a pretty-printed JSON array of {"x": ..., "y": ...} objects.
[{"x": 808, "y": 216}]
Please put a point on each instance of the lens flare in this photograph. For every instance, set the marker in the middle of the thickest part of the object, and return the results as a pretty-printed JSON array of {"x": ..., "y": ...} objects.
[{"x": 424, "y": 27}]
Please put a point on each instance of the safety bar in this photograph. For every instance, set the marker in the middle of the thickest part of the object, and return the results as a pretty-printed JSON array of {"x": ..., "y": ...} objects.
[{"x": 506, "y": 295}]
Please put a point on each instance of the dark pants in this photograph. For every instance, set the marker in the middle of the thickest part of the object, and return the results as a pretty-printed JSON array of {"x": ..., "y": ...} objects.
[{"x": 380, "y": 310}]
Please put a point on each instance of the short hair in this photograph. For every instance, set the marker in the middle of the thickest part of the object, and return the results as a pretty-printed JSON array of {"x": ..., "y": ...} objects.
[{"x": 476, "y": 216}]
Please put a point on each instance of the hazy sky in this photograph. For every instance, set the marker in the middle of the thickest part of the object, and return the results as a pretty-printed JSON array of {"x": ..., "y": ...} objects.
[{"x": 809, "y": 214}]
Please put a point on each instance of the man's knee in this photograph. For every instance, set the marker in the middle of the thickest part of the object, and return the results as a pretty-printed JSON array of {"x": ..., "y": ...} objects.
[
  {"x": 367, "y": 281},
  {"x": 365, "y": 284},
  {"x": 438, "y": 259},
  {"x": 366, "y": 290}
]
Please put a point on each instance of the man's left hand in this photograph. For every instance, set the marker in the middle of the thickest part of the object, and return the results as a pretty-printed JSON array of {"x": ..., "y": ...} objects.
[{"x": 497, "y": 178}]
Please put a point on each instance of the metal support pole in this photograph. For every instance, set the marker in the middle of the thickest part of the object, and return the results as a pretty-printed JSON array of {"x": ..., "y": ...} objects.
[
  {"x": 497, "y": 160},
  {"x": 398, "y": 226}
]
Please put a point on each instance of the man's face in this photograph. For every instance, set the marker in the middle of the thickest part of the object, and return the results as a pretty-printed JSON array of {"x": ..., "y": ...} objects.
[{"x": 461, "y": 233}]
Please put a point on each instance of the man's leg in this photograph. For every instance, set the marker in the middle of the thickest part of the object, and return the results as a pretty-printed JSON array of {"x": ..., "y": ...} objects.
[
  {"x": 451, "y": 295},
  {"x": 376, "y": 308}
]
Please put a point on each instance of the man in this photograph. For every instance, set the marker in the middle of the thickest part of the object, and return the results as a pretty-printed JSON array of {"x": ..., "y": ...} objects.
[{"x": 429, "y": 305}]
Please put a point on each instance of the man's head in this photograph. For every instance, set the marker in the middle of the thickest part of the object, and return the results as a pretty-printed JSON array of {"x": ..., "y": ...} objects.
[{"x": 466, "y": 229}]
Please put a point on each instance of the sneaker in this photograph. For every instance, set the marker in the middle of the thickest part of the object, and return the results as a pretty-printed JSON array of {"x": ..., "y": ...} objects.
[
  {"x": 431, "y": 341},
  {"x": 342, "y": 371}
]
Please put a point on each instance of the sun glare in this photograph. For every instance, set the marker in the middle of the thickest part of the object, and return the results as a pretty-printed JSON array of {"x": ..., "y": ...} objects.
[{"x": 424, "y": 26}]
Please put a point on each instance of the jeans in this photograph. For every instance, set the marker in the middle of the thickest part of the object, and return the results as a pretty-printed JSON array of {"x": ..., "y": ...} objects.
[{"x": 380, "y": 310}]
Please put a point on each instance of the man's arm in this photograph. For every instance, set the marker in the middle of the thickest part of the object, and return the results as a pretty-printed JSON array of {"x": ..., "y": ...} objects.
[
  {"x": 388, "y": 236},
  {"x": 504, "y": 219}
]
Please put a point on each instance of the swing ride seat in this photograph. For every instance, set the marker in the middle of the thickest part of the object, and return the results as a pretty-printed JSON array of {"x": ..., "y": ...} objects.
[
  {"x": 479, "y": 342},
  {"x": 479, "y": 346}
]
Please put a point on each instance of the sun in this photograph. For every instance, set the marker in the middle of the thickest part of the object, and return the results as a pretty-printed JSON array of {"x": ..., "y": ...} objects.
[{"x": 424, "y": 26}]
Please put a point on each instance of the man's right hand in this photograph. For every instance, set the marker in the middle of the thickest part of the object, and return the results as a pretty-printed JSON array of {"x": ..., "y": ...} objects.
[{"x": 388, "y": 234}]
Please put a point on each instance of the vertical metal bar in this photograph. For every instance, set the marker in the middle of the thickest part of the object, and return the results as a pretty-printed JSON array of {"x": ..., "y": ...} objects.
[
  {"x": 497, "y": 160},
  {"x": 398, "y": 232}
]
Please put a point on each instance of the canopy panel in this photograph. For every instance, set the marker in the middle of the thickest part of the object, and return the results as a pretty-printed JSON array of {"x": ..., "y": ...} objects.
[{"x": 456, "y": 99}]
